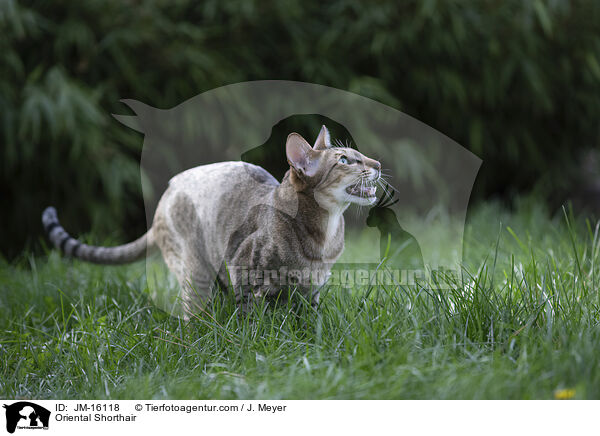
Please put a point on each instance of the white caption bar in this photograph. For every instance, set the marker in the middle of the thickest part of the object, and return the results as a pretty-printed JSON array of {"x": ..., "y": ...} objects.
[{"x": 159, "y": 417}]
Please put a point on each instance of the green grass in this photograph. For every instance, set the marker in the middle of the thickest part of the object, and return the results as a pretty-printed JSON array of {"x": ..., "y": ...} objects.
[{"x": 521, "y": 323}]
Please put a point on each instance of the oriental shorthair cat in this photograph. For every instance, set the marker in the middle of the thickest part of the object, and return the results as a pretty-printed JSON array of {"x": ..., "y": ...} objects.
[{"x": 231, "y": 225}]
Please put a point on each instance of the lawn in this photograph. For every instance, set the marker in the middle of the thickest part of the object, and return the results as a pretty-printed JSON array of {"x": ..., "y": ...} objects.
[{"x": 521, "y": 323}]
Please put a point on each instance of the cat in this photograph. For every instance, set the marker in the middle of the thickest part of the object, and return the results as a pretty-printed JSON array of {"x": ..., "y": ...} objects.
[{"x": 233, "y": 225}]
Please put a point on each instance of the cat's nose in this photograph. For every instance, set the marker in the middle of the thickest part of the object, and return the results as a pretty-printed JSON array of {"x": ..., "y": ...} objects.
[
  {"x": 373, "y": 164},
  {"x": 377, "y": 167}
]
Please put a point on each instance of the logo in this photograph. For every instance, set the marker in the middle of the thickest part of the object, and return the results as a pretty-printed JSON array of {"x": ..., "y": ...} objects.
[
  {"x": 26, "y": 415},
  {"x": 415, "y": 230}
]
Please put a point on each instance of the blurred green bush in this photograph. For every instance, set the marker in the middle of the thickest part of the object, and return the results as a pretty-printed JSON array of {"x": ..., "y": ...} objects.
[{"x": 516, "y": 82}]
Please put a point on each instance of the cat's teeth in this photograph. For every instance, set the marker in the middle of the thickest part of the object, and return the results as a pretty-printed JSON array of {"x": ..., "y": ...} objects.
[{"x": 366, "y": 191}]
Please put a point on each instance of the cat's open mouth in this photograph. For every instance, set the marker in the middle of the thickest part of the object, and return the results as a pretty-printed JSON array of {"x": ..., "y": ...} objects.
[{"x": 361, "y": 191}]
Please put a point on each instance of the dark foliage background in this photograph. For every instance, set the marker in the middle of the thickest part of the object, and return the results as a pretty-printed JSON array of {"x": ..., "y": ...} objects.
[{"x": 516, "y": 82}]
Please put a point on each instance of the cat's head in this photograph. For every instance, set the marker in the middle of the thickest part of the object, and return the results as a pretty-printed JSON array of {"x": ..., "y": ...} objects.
[{"x": 337, "y": 176}]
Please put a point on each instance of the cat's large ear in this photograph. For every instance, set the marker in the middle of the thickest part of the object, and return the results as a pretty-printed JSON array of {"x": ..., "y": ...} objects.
[
  {"x": 323, "y": 140},
  {"x": 300, "y": 155}
]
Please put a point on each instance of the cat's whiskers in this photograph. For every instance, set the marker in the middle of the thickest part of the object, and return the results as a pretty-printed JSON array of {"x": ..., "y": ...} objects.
[
  {"x": 387, "y": 194},
  {"x": 362, "y": 187},
  {"x": 387, "y": 185},
  {"x": 384, "y": 189}
]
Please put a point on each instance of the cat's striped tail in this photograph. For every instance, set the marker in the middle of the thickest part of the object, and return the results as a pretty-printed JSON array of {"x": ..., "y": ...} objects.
[{"x": 105, "y": 255}]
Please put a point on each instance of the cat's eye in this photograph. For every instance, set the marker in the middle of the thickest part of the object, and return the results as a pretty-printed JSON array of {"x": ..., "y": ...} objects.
[{"x": 343, "y": 160}]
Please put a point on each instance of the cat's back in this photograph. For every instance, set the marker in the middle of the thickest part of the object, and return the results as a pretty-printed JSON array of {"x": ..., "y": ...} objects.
[
  {"x": 224, "y": 177},
  {"x": 221, "y": 193},
  {"x": 208, "y": 203}
]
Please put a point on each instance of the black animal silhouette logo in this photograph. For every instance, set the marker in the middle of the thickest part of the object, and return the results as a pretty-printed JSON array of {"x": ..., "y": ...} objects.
[
  {"x": 399, "y": 248},
  {"x": 26, "y": 415}
]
